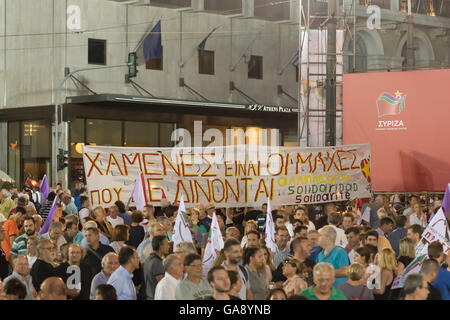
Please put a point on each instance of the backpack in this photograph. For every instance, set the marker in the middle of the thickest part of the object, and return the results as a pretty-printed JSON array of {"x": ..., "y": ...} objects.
[{"x": 244, "y": 272}]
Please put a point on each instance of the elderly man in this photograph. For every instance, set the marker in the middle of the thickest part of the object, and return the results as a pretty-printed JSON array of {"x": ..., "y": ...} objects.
[
  {"x": 22, "y": 272},
  {"x": 333, "y": 220},
  {"x": 6, "y": 204},
  {"x": 334, "y": 255},
  {"x": 42, "y": 268},
  {"x": 110, "y": 263},
  {"x": 113, "y": 217},
  {"x": 55, "y": 234},
  {"x": 38, "y": 222},
  {"x": 323, "y": 277},
  {"x": 19, "y": 245},
  {"x": 121, "y": 278},
  {"x": 78, "y": 288},
  {"x": 145, "y": 247},
  {"x": 415, "y": 287},
  {"x": 71, "y": 208},
  {"x": 53, "y": 288},
  {"x": 173, "y": 266}
]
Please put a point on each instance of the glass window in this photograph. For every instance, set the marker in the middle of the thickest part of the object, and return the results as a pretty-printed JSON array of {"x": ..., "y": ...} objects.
[
  {"x": 14, "y": 150},
  {"x": 165, "y": 134},
  {"x": 35, "y": 149},
  {"x": 77, "y": 138},
  {"x": 104, "y": 132},
  {"x": 141, "y": 134}
]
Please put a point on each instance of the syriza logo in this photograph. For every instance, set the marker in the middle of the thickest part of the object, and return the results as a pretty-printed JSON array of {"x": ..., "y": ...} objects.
[{"x": 389, "y": 108}]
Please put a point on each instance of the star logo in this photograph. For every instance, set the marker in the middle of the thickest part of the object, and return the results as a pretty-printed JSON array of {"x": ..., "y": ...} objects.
[{"x": 398, "y": 94}]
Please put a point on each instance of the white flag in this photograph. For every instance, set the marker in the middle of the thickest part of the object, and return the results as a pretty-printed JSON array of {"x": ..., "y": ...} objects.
[
  {"x": 270, "y": 230},
  {"x": 437, "y": 230},
  {"x": 213, "y": 246},
  {"x": 366, "y": 214},
  {"x": 414, "y": 267},
  {"x": 138, "y": 192},
  {"x": 181, "y": 229}
]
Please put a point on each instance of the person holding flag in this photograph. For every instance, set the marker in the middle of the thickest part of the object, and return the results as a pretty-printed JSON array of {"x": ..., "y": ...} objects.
[
  {"x": 181, "y": 229},
  {"x": 213, "y": 246},
  {"x": 276, "y": 241},
  {"x": 138, "y": 193}
]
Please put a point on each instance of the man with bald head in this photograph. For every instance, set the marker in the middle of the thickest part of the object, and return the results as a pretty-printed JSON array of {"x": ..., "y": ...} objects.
[
  {"x": 42, "y": 268},
  {"x": 22, "y": 272},
  {"x": 53, "y": 288},
  {"x": 110, "y": 263}
]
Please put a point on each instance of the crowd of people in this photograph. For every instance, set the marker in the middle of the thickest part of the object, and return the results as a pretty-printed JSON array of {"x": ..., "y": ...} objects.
[{"x": 323, "y": 252}]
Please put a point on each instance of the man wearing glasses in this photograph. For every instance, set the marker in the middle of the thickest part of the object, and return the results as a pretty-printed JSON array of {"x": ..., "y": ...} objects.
[
  {"x": 43, "y": 268},
  {"x": 193, "y": 287}
]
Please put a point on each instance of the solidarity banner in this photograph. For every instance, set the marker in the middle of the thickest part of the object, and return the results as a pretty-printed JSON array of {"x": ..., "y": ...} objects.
[{"x": 231, "y": 176}]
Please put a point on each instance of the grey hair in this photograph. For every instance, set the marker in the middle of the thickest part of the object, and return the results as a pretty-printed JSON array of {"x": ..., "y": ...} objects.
[
  {"x": 56, "y": 225},
  {"x": 42, "y": 243},
  {"x": 412, "y": 282},
  {"x": 167, "y": 263},
  {"x": 106, "y": 257},
  {"x": 323, "y": 267},
  {"x": 329, "y": 232},
  {"x": 186, "y": 246}
]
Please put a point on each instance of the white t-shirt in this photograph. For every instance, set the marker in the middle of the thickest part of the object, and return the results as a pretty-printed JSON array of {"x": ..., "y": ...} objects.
[
  {"x": 115, "y": 222},
  {"x": 341, "y": 238},
  {"x": 311, "y": 226},
  {"x": 165, "y": 289},
  {"x": 413, "y": 219}
]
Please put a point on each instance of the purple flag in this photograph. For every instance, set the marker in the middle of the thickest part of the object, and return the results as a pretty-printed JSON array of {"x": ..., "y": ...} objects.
[
  {"x": 446, "y": 201},
  {"x": 44, "y": 188},
  {"x": 49, "y": 219}
]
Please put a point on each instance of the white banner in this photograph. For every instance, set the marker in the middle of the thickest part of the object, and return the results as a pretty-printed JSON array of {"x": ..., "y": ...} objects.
[{"x": 232, "y": 176}]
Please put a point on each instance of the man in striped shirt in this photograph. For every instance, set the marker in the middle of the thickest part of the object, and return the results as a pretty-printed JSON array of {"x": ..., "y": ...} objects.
[
  {"x": 45, "y": 209},
  {"x": 19, "y": 245}
]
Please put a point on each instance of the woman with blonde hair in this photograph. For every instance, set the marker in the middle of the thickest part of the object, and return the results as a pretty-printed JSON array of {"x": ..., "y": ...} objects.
[
  {"x": 407, "y": 253},
  {"x": 296, "y": 273},
  {"x": 417, "y": 216},
  {"x": 388, "y": 266}
]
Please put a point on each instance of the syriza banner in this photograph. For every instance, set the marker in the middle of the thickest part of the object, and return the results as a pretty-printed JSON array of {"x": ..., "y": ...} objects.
[{"x": 230, "y": 176}]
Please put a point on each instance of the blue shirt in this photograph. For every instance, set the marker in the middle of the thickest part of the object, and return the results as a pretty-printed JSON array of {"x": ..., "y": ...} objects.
[
  {"x": 121, "y": 281},
  {"x": 315, "y": 252},
  {"x": 126, "y": 217},
  {"x": 338, "y": 258},
  {"x": 71, "y": 208},
  {"x": 100, "y": 278},
  {"x": 442, "y": 283}
]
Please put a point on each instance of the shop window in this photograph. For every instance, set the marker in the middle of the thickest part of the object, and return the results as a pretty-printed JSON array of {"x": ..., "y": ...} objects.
[
  {"x": 141, "y": 134},
  {"x": 165, "y": 134},
  {"x": 104, "y": 132}
]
